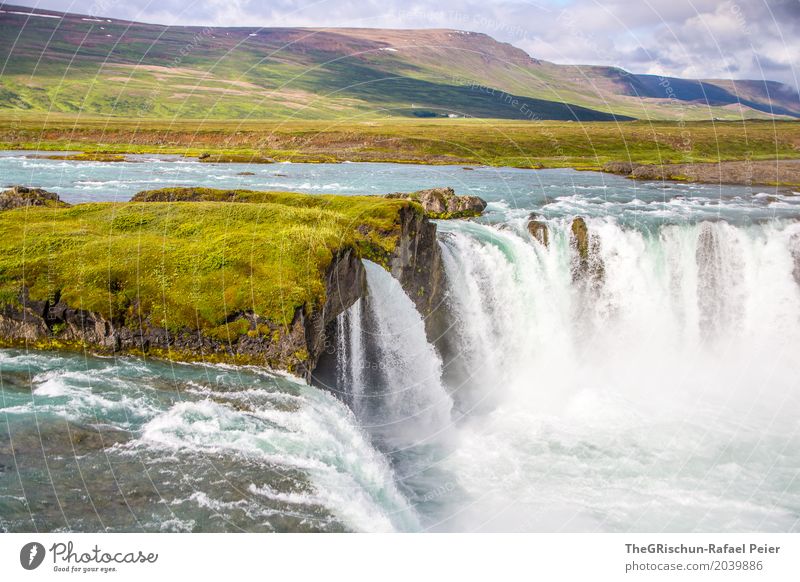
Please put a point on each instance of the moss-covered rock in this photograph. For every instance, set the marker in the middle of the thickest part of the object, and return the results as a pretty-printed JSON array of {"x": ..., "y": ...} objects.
[
  {"x": 255, "y": 283},
  {"x": 22, "y": 196},
  {"x": 580, "y": 236},
  {"x": 443, "y": 203}
]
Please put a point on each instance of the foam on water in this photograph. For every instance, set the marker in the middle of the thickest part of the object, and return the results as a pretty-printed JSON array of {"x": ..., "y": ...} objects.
[
  {"x": 665, "y": 400},
  {"x": 305, "y": 438},
  {"x": 319, "y": 437}
]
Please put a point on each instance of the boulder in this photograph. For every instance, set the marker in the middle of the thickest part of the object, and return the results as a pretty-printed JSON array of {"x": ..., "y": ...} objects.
[
  {"x": 22, "y": 196},
  {"x": 443, "y": 203},
  {"x": 580, "y": 236},
  {"x": 539, "y": 230},
  {"x": 587, "y": 264}
]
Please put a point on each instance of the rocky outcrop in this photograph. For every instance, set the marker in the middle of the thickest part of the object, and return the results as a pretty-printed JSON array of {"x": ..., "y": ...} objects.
[
  {"x": 246, "y": 338},
  {"x": 22, "y": 196},
  {"x": 587, "y": 263},
  {"x": 444, "y": 203},
  {"x": 621, "y": 168},
  {"x": 539, "y": 230},
  {"x": 295, "y": 347},
  {"x": 417, "y": 261}
]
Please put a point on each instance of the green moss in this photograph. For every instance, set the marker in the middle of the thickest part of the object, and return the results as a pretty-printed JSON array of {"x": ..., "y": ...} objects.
[
  {"x": 229, "y": 331},
  {"x": 452, "y": 215},
  {"x": 9, "y": 294},
  {"x": 192, "y": 264},
  {"x": 130, "y": 221},
  {"x": 90, "y": 157}
]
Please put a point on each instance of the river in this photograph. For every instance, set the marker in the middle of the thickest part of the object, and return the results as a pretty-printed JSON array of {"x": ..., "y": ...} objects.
[{"x": 658, "y": 395}]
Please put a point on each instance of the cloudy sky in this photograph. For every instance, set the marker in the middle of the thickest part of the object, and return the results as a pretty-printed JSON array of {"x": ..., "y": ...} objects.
[{"x": 754, "y": 39}]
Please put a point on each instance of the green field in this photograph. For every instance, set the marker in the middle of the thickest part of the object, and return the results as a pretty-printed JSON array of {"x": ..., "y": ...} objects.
[{"x": 437, "y": 141}]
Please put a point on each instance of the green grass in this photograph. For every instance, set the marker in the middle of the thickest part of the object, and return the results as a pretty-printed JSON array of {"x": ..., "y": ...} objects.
[
  {"x": 454, "y": 141},
  {"x": 190, "y": 264}
]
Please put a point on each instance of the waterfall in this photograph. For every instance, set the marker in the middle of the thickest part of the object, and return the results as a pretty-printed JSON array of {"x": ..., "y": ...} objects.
[
  {"x": 391, "y": 373},
  {"x": 719, "y": 278},
  {"x": 590, "y": 402},
  {"x": 350, "y": 356},
  {"x": 674, "y": 379}
]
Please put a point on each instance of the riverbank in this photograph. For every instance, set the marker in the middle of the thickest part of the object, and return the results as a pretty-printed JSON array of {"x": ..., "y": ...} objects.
[
  {"x": 743, "y": 172},
  {"x": 585, "y": 146}
]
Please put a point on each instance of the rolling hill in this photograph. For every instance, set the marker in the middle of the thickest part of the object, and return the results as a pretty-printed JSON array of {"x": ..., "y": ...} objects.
[{"x": 51, "y": 61}]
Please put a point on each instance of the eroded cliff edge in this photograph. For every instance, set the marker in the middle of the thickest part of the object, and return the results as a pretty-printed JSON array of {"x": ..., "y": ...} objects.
[{"x": 48, "y": 305}]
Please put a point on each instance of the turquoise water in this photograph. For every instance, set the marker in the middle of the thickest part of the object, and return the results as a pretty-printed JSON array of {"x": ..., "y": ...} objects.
[
  {"x": 104, "y": 444},
  {"x": 663, "y": 399},
  {"x": 511, "y": 192}
]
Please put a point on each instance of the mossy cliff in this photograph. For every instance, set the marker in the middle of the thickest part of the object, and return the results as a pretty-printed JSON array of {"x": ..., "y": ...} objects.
[{"x": 254, "y": 283}]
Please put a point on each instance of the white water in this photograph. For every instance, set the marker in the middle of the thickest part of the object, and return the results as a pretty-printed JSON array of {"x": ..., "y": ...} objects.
[
  {"x": 666, "y": 401},
  {"x": 348, "y": 477},
  {"x": 221, "y": 447},
  {"x": 393, "y": 373},
  {"x": 662, "y": 399}
]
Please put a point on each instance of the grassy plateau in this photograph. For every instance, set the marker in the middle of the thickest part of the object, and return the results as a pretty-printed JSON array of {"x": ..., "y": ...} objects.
[{"x": 190, "y": 264}]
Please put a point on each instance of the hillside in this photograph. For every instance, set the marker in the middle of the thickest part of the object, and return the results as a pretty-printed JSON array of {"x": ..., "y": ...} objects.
[{"x": 73, "y": 63}]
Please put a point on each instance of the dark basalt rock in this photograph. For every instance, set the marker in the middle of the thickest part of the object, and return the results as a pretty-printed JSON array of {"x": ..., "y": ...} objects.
[
  {"x": 443, "y": 203},
  {"x": 346, "y": 283},
  {"x": 417, "y": 262},
  {"x": 22, "y": 196}
]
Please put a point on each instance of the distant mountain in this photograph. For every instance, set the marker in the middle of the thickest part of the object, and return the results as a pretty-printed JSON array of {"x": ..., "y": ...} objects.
[{"x": 50, "y": 61}]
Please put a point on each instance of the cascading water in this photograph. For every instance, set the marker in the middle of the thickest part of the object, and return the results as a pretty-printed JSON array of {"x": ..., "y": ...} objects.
[
  {"x": 189, "y": 448},
  {"x": 663, "y": 400},
  {"x": 651, "y": 391},
  {"x": 650, "y": 384},
  {"x": 393, "y": 373},
  {"x": 392, "y": 378}
]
